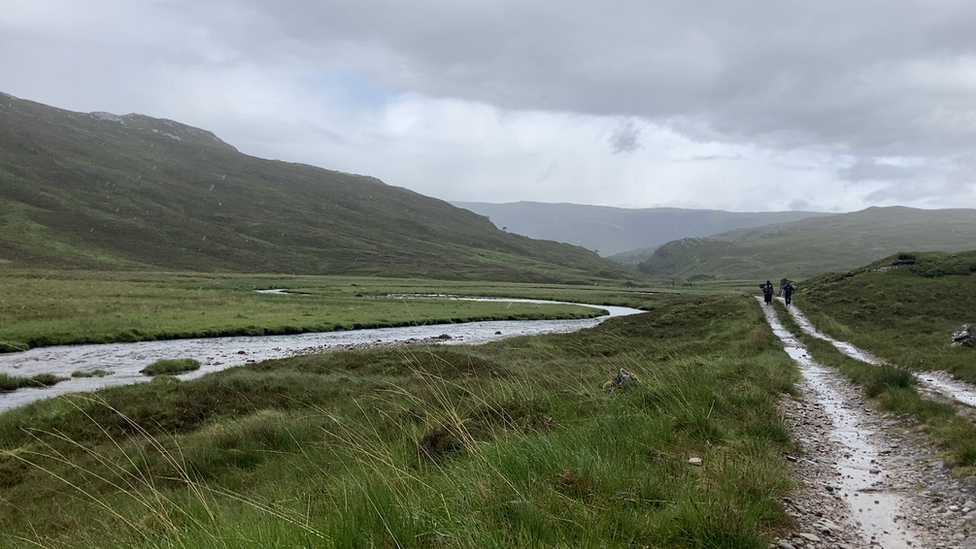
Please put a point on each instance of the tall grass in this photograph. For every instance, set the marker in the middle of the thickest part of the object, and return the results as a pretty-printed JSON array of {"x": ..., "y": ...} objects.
[{"x": 509, "y": 444}]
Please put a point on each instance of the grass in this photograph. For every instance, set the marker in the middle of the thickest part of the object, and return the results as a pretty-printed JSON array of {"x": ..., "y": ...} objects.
[
  {"x": 513, "y": 443},
  {"x": 171, "y": 366},
  {"x": 81, "y": 193},
  {"x": 12, "y": 383},
  {"x": 893, "y": 388},
  {"x": 69, "y": 307},
  {"x": 93, "y": 373},
  {"x": 903, "y": 309}
]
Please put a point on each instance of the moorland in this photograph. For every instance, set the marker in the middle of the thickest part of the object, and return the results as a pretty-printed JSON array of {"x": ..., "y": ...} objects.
[{"x": 125, "y": 228}]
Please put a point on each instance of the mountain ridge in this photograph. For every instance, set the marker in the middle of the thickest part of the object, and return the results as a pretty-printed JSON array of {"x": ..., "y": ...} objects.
[
  {"x": 813, "y": 246},
  {"x": 615, "y": 231}
]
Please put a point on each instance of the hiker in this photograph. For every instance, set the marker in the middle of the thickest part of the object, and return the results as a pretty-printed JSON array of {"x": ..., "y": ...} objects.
[
  {"x": 767, "y": 290},
  {"x": 788, "y": 291}
]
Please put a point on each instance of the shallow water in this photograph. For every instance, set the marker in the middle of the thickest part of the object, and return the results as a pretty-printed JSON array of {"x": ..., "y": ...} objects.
[
  {"x": 859, "y": 480},
  {"x": 125, "y": 360}
]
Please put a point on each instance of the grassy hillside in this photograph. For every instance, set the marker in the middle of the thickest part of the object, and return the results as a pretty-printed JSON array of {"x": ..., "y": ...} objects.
[
  {"x": 103, "y": 191},
  {"x": 814, "y": 246},
  {"x": 903, "y": 308},
  {"x": 615, "y": 230}
]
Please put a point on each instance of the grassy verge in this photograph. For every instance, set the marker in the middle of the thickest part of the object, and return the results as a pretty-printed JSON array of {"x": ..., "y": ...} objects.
[
  {"x": 903, "y": 309},
  {"x": 893, "y": 388},
  {"x": 510, "y": 444},
  {"x": 171, "y": 366}
]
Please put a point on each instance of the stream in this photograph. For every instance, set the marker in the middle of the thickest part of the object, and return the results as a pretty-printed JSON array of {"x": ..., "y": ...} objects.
[{"x": 125, "y": 360}]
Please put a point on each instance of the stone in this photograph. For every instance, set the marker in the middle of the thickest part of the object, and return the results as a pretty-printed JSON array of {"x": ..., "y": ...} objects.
[
  {"x": 964, "y": 335},
  {"x": 622, "y": 381}
]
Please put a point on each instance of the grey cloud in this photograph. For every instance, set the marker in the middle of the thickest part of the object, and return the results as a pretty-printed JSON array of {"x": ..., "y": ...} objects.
[
  {"x": 870, "y": 170},
  {"x": 625, "y": 138},
  {"x": 830, "y": 75}
]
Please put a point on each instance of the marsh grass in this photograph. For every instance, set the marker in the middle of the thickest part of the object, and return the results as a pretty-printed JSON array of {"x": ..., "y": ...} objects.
[
  {"x": 892, "y": 387},
  {"x": 514, "y": 443},
  {"x": 98, "y": 372},
  {"x": 43, "y": 308},
  {"x": 171, "y": 366},
  {"x": 11, "y": 383}
]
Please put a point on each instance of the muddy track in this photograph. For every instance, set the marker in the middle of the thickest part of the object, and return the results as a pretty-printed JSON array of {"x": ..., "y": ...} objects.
[{"x": 865, "y": 479}]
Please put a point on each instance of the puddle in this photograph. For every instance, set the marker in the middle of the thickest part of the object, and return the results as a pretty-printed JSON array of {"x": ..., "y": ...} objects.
[
  {"x": 125, "y": 360},
  {"x": 938, "y": 382},
  {"x": 860, "y": 480}
]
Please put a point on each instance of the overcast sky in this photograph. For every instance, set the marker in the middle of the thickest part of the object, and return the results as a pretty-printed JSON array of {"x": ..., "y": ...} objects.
[{"x": 737, "y": 105}]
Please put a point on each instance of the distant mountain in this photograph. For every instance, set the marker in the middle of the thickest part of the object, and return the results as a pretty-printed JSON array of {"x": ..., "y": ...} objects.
[
  {"x": 97, "y": 190},
  {"x": 810, "y": 247},
  {"x": 610, "y": 231}
]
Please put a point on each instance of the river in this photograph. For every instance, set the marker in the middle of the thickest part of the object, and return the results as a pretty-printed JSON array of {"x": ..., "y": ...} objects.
[{"x": 125, "y": 360}]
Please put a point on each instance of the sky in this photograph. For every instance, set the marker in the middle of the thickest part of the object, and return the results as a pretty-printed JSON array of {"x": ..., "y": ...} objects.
[{"x": 734, "y": 105}]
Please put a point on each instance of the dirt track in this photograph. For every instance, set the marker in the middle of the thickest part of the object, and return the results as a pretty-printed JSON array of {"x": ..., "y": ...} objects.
[{"x": 866, "y": 479}]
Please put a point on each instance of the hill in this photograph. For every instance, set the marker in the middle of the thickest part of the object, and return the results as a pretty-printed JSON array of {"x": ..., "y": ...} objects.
[
  {"x": 96, "y": 190},
  {"x": 812, "y": 246},
  {"x": 610, "y": 231},
  {"x": 903, "y": 308}
]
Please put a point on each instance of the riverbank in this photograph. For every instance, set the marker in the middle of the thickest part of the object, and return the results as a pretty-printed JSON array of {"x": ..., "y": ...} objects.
[{"x": 124, "y": 361}]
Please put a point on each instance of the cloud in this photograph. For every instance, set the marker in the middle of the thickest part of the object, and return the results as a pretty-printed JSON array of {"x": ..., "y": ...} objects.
[
  {"x": 618, "y": 102},
  {"x": 625, "y": 138}
]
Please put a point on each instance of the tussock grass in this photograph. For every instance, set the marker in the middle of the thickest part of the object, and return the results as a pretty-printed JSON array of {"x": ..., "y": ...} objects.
[
  {"x": 171, "y": 366},
  {"x": 11, "y": 383},
  {"x": 98, "y": 372},
  {"x": 514, "y": 443}
]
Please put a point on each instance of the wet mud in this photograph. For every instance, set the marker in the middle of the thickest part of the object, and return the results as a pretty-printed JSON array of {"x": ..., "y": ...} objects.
[{"x": 874, "y": 513}]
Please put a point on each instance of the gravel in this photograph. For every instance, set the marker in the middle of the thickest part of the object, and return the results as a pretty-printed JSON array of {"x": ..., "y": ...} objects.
[{"x": 929, "y": 508}]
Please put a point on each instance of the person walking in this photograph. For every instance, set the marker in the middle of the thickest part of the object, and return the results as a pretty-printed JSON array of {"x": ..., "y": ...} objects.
[
  {"x": 767, "y": 290},
  {"x": 788, "y": 291}
]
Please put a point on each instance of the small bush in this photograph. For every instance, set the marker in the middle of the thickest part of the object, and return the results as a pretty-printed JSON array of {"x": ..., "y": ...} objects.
[{"x": 171, "y": 366}]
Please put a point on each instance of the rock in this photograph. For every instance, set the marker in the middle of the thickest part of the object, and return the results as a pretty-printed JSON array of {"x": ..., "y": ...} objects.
[
  {"x": 964, "y": 335},
  {"x": 783, "y": 544},
  {"x": 807, "y": 536},
  {"x": 622, "y": 381},
  {"x": 695, "y": 461}
]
